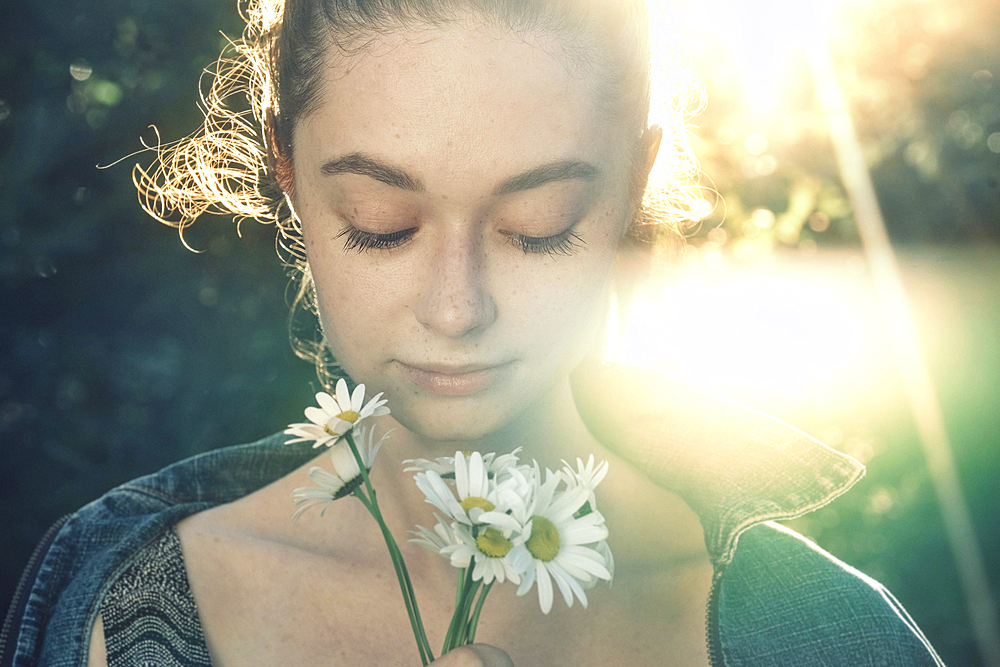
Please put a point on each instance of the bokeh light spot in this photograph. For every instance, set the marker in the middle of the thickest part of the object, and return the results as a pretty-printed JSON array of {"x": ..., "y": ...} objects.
[
  {"x": 993, "y": 142},
  {"x": 80, "y": 70}
]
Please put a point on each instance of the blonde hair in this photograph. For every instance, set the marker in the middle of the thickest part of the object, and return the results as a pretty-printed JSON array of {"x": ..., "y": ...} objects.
[{"x": 238, "y": 163}]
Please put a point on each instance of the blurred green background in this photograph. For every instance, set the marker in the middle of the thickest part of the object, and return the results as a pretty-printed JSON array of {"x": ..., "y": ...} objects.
[{"x": 120, "y": 351}]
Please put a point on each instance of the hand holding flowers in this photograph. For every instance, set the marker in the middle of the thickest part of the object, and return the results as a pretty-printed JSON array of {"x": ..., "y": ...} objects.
[{"x": 496, "y": 519}]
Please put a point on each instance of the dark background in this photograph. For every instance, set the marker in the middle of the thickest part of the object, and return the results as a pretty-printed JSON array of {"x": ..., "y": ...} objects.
[{"x": 121, "y": 351}]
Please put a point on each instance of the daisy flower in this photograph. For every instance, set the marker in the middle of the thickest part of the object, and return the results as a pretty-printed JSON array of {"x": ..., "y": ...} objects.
[
  {"x": 586, "y": 476},
  {"x": 556, "y": 545},
  {"x": 463, "y": 545},
  {"x": 435, "y": 540},
  {"x": 445, "y": 465},
  {"x": 346, "y": 476},
  {"x": 476, "y": 491},
  {"x": 489, "y": 551},
  {"x": 336, "y": 415}
]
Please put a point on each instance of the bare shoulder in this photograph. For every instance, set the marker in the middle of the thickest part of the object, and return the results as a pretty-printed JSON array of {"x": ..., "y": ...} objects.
[
  {"x": 97, "y": 654},
  {"x": 281, "y": 573}
]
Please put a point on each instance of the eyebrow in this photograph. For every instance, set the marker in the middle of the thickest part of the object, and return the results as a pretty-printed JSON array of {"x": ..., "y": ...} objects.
[
  {"x": 364, "y": 165},
  {"x": 359, "y": 163},
  {"x": 564, "y": 170}
]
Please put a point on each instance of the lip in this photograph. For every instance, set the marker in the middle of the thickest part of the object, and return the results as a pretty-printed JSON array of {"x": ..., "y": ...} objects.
[{"x": 448, "y": 380}]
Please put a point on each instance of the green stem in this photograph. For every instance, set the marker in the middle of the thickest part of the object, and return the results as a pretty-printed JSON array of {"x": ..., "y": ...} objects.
[
  {"x": 459, "y": 601},
  {"x": 463, "y": 637},
  {"x": 474, "y": 621},
  {"x": 409, "y": 599},
  {"x": 361, "y": 465},
  {"x": 406, "y": 586},
  {"x": 458, "y": 620}
]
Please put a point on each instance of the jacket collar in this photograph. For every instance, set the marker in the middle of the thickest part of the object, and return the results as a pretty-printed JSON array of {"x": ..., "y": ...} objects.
[{"x": 734, "y": 466}]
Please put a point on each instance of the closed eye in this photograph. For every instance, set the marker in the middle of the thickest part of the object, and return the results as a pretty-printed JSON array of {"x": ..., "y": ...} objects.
[
  {"x": 361, "y": 241},
  {"x": 563, "y": 243}
]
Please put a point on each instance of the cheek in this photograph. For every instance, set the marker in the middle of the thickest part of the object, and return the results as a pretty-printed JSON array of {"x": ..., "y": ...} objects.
[
  {"x": 561, "y": 301},
  {"x": 354, "y": 302}
]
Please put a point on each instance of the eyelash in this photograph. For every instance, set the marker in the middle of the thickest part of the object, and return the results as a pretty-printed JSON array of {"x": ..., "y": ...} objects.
[
  {"x": 563, "y": 243},
  {"x": 363, "y": 241}
]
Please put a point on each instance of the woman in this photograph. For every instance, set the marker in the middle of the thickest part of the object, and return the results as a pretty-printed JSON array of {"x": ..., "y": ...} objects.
[{"x": 460, "y": 184}]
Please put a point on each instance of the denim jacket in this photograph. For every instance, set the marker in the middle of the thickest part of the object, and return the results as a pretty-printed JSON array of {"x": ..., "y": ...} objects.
[{"x": 777, "y": 599}]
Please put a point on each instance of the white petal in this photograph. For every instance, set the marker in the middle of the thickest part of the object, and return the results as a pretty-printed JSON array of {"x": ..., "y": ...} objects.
[
  {"x": 574, "y": 533},
  {"x": 375, "y": 408},
  {"x": 343, "y": 396},
  {"x": 520, "y": 561},
  {"x": 461, "y": 555},
  {"x": 528, "y": 579},
  {"x": 604, "y": 550},
  {"x": 599, "y": 474},
  {"x": 571, "y": 565},
  {"x": 511, "y": 573},
  {"x": 505, "y": 523},
  {"x": 373, "y": 450},
  {"x": 344, "y": 462},
  {"x": 317, "y": 416},
  {"x": 486, "y": 571},
  {"x": 544, "y": 588},
  {"x": 304, "y": 433},
  {"x": 461, "y": 476},
  {"x": 327, "y": 403},
  {"x": 578, "y": 589},
  {"x": 340, "y": 427},
  {"x": 301, "y": 510},
  {"x": 477, "y": 476},
  {"x": 358, "y": 398},
  {"x": 439, "y": 495},
  {"x": 573, "y": 557},
  {"x": 428, "y": 539},
  {"x": 543, "y": 494},
  {"x": 565, "y": 504},
  {"x": 560, "y": 579},
  {"x": 328, "y": 440},
  {"x": 305, "y": 493}
]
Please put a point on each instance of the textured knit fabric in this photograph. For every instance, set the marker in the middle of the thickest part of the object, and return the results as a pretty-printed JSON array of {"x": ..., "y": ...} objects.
[
  {"x": 149, "y": 613},
  {"x": 783, "y": 601}
]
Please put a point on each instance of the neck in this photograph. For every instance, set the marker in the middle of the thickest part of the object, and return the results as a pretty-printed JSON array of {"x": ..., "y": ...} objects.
[{"x": 554, "y": 432}]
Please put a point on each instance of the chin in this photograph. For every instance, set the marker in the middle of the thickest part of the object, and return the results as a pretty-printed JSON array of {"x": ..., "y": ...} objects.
[
  {"x": 464, "y": 423},
  {"x": 463, "y": 427}
]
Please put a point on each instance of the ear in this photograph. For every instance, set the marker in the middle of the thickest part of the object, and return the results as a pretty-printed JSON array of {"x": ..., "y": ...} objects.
[
  {"x": 635, "y": 258},
  {"x": 279, "y": 158},
  {"x": 651, "y": 140},
  {"x": 643, "y": 158}
]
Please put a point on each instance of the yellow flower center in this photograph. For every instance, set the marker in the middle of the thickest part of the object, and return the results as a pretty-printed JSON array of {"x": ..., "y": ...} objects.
[
  {"x": 476, "y": 501},
  {"x": 492, "y": 543},
  {"x": 544, "y": 542},
  {"x": 349, "y": 416}
]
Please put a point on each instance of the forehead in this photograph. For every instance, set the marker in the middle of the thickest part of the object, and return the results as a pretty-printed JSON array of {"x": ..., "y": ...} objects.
[{"x": 459, "y": 102}]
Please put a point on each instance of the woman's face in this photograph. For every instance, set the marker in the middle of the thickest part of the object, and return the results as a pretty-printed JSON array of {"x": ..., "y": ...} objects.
[{"x": 462, "y": 196}]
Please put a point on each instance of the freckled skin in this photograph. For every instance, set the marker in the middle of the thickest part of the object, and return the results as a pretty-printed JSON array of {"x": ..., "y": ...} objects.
[
  {"x": 461, "y": 111},
  {"x": 459, "y": 291}
]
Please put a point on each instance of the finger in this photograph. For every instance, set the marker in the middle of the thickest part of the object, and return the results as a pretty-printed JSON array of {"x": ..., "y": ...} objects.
[{"x": 475, "y": 655}]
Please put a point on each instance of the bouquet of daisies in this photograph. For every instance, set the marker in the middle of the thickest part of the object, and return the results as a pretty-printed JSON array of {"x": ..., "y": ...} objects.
[{"x": 497, "y": 519}]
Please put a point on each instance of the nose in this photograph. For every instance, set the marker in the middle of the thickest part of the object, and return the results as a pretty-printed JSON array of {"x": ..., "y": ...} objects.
[{"x": 456, "y": 300}]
